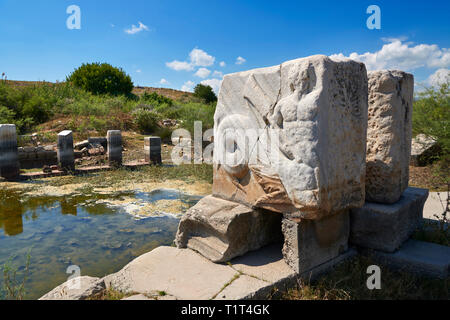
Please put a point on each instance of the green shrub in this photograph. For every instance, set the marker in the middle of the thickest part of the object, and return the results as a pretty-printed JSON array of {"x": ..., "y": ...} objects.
[
  {"x": 101, "y": 79},
  {"x": 156, "y": 99},
  {"x": 431, "y": 115},
  {"x": 146, "y": 121},
  {"x": 205, "y": 92},
  {"x": 36, "y": 108}
]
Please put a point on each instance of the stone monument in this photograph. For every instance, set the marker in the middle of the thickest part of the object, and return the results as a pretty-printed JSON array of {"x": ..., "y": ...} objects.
[{"x": 289, "y": 140}]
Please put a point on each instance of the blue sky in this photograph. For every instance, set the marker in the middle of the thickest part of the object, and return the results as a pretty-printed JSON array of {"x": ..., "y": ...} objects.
[{"x": 177, "y": 44}]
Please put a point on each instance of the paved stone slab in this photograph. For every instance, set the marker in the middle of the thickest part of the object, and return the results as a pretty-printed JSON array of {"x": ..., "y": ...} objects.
[
  {"x": 389, "y": 135},
  {"x": 310, "y": 243},
  {"x": 266, "y": 264},
  {"x": 79, "y": 288},
  {"x": 182, "y": 273},
  {"x": 245, "y": 288},
  {"x": 221, "y": 230},
  {"x": 435, "y": 205},
  {"x": 386, "y": 227},
  {"x": 419, "y": 257},
  {"x": 292, "y": 138}
]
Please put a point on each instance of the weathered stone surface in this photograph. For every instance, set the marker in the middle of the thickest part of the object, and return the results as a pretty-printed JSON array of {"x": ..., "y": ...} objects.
[
  {"x": 114, "y": 138},
  {"x": 221, "y": 230},
  {"x": 245, "y": 288},
  {"x": 291, "y": 138},
  {"x": 76, "y": 289},
  {"x": 387, "y": 226},
  {"x": 182, "y": 273},
  {"x": 266, "y": 264},
  {"x": 389, "y": 135},
  {"x": 66, "y": 156},
  {"x": 422, "y": 258},
  {"x": 9, "y": 159},
  {"x": 152, "y": 149},
  {"x": 81, "y": 145},
  {"x": 424, "y": 149},
  {"x": 310, "y": 243},
  {"x": 93, "y": 141}
]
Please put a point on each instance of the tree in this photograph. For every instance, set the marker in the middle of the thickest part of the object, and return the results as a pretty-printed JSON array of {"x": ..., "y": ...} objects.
[
  {"x": 101, "y": 79},
  {"x": 431, "y": 115},
  {"x": 205, "y": 92}
]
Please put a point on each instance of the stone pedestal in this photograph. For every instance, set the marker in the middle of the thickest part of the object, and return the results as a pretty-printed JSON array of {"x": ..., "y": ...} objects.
[
  {"x": 311, "y": 243},
  {"x": 389, "y": 135},
  {"x": 152, "y": 149},
  {"x": 9, "y": 160},
  {"x": 65, "y": 154},
  {"x": 114, "y": 138},
  {"x": 221, "y": 230},
  {"x": 386, "y": 227}
]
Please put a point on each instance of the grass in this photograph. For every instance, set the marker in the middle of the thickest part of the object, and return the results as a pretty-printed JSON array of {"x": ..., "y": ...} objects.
[
  {"x": 111, "y": 294},
  {"x": 348, "y": 282},
  {"x": 14, "y": 289},
  {"x": 187, "y": 173}
]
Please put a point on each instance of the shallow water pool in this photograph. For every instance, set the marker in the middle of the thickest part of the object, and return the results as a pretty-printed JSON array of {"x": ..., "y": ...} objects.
[{"x": 79, "y": 230}]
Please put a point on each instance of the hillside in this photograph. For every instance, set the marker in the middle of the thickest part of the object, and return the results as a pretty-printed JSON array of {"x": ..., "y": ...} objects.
[{"x": 139, "y": 90}]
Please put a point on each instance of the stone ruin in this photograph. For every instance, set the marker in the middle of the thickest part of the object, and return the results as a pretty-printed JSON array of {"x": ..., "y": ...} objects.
[
  {"x": 62, "y": 161},
  {"x": 313, "y": 151}
]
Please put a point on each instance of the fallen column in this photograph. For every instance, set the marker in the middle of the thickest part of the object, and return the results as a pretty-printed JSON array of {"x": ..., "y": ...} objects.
[
  {"x": 9, "y": 159},
  {"x": 152, "y": 149},
  {"x": 65, "y": 154},
  {"x": 114, "y": 138}
]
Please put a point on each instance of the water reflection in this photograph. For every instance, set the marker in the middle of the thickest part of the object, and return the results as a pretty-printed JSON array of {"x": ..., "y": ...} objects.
[{"x": 80, "y": 230}]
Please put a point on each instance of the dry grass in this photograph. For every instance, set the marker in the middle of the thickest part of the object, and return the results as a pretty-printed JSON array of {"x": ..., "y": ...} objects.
[{"x": 348, "y": 282}]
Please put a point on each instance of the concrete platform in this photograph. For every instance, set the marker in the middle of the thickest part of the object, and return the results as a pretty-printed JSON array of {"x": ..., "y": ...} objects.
[
  {"x": 435, "y": 204},
  {"x": 422, "y": 258},
  {"x": 183, "y": 274}
]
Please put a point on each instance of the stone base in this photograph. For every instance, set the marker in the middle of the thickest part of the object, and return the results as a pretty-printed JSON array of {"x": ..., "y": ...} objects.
[
  {"x": 386, "y": 227},
  {"x": 310, "y": 243},
  {"x": 422, "y": 258},
  {"x": 221, "y": 230}
]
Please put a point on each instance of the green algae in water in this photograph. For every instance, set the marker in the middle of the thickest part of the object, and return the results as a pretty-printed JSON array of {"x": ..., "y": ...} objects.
[{"x": 75, "y": 230}]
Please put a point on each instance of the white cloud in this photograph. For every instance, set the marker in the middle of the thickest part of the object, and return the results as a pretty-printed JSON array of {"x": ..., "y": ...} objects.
[
  {"x": 138, "y": 71},
  {"x": 214, "y": 83},
  {"x": 135, "y": 29},
  {"x": 197, "y": 58},
  {"x": 164, "y": 81},
  {"x": 200, "y": 58},
  {"x": 439, "y": 77},
  {"x": 113, "y": 25},
  {"x": 405, "y": 56},
  {"x": 222, "y": 64},
  {"x": 240, "y": 60},
  {"x": 188, "y": 86},
  {"x": 217, "y": 74},
  {"x": 180, "y": 65},
  {"x": 203, "y": 73}
]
